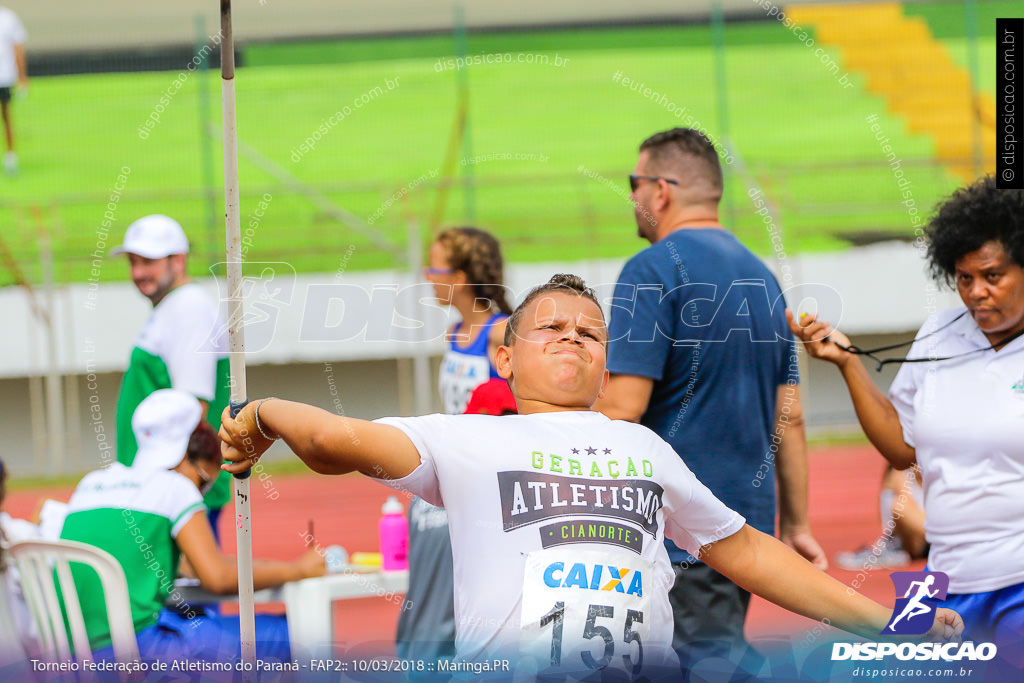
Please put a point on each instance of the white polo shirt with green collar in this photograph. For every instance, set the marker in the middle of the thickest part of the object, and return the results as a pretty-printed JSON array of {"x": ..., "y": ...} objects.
[
  {"x": 183, "y": 345},
  {"x": 135, "y": 515}
]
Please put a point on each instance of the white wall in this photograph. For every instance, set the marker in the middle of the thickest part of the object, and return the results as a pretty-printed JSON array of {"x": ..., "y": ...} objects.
[
  {"x": 878, "y": 294},
  {"x": 114, "y": 24},
  {"x": 881, "y": 289}
]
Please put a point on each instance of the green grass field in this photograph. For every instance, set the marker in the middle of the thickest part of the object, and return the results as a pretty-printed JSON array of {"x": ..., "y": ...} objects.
[{"x": 803, "y": 136}]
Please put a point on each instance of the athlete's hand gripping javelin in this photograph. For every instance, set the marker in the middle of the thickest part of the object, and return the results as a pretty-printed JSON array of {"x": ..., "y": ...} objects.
[
  {"x": 327, "y": 443},
  {"x": 242, "y": 444}
]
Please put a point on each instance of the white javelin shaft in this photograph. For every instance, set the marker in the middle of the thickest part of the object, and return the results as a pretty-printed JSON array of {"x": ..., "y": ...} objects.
[{"x": 236, "y": 337}]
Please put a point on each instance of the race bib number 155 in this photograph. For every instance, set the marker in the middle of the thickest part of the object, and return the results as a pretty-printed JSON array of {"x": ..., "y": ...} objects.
[{"x": 585, "y": 610}]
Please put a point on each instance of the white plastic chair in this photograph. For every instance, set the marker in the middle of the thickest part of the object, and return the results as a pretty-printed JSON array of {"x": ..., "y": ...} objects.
[
  {"x": 36, "y": 562},
  {"x": 13, "y": 656}
]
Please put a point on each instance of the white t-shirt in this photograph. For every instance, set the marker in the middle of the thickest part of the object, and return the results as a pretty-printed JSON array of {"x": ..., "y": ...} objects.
[
  {"x": 557, "y": 525},
  {"x": 11, "y": 33},
  {"x": 965, "y": 419},
  {"x": 186, "y": 333}
]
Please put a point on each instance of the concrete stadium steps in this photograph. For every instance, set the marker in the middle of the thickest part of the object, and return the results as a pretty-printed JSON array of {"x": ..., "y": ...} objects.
[{"x": 915, "y": 73}]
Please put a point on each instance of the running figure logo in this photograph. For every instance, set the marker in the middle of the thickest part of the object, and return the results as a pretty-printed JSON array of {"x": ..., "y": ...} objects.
[
  {"x": 914, "y": 613},
  {"x": 266, "y": 295}
]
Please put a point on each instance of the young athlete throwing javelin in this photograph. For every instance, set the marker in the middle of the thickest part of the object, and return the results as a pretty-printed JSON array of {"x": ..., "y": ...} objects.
[{"x": 558, "y": 514}]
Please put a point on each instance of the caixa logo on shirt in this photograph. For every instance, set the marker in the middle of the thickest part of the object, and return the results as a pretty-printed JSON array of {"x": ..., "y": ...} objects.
[{"x": 596, "y": 577}]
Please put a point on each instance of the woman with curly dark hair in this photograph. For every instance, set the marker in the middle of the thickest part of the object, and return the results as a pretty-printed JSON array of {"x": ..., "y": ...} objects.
[
  {"x": 467, "y": 271},
  {"x": 957, "y": 412}
]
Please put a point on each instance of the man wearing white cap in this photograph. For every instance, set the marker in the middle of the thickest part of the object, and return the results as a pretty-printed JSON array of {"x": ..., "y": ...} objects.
[
  {"x": 150, "y": 514},
  {"x": 179, "y": 346}
]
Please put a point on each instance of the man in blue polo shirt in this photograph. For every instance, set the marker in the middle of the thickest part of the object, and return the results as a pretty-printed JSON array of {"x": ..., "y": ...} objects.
[{"x": 700, "y": 353}]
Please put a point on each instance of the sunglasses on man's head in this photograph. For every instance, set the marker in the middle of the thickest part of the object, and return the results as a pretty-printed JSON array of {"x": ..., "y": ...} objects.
[{"x": 634, "y": 180}]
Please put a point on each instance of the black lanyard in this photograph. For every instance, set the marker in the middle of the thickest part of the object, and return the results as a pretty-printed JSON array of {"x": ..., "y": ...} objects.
[{"x": 882, "y": 362}]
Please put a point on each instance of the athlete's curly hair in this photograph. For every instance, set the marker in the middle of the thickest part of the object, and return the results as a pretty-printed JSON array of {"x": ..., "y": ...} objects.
[
  {"x": 562, "y": 282},
  {"x": 969, "y": 218},
  {"x": 478, "y": 254}
]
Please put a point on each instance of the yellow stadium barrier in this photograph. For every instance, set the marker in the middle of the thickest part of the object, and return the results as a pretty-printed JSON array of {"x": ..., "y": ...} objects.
[{"x": 916, "y": 75}]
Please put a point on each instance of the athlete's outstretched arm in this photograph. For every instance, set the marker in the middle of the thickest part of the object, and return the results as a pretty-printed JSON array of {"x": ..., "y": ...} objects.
[
  {"x": 767, "y": 567},
  {"x": 327, "y": 443}
]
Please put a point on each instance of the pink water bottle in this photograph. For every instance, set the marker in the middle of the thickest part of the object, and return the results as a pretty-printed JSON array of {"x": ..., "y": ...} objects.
[{"x": 394, "y": 537}]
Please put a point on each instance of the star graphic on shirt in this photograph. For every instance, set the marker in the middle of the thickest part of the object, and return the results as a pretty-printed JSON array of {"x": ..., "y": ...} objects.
[
  {"x": 591, "y": 451},
  {"x": 575, "y": 451},
  {"x": 607, "y": 451}
]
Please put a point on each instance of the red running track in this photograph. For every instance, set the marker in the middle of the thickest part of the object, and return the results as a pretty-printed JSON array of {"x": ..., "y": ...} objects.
[{"x": 345, "y": 510}]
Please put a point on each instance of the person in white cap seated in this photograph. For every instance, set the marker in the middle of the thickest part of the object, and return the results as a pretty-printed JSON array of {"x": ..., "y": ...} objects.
[
  {"x": 181, "y": 345},
  {"x": 151, "y": 513}
]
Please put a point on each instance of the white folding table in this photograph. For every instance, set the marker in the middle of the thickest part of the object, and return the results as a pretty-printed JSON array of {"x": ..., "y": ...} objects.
[{"x": 308, "y": 603}]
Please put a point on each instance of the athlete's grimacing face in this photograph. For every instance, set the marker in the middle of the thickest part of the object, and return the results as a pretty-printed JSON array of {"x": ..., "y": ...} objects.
[{"x": 559, "y": 354}]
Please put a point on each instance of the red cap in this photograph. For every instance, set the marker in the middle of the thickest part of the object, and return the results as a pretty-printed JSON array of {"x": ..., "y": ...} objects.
[{"x": 493, "y": 397}]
